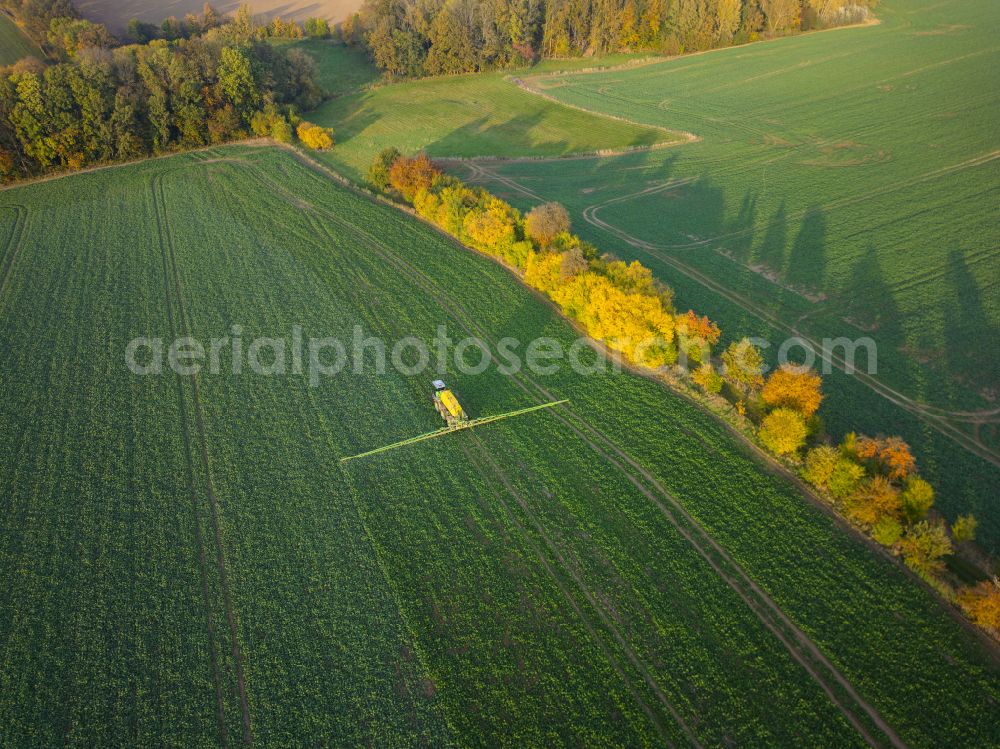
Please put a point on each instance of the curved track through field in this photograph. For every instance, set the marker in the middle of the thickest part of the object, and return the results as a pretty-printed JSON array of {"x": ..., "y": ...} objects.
[
  {"x": 961, "y": 426},
  {"x": 948, "y": 422}
]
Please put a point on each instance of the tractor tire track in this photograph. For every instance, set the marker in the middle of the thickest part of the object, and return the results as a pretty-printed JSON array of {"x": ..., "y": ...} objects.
[
  {"x": 587, "y": 593},
  {"x": 758, "y": 601},
  {"x": 13, "y": 248},
  {"x": 765, "y": 602},
  {"x": 189, "y": 463},
  {"x": 185, "y": 327}
]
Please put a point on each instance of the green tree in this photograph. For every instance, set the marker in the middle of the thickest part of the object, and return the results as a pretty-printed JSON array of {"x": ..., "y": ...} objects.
[
  {"x": 845, "y": 477},
  {"x": 887, "y": 531},
  {"x": 28, "y": 118},
  {"x": 743, "y": 368},
  {"x": 378, "y": 172},
  {"x": 125, "y": 129},
  {"x": 71, "y": 35},
  {"x": 317, "y": 28},
  {"x": 916, "y": 499},
  {"x": 964, "y": 528},
  {"x": 453, "y": 40},
  {"x": 924, "y": 546},
  {"x": 236, "y": 81},
  {"x": 270, "y": 123}
]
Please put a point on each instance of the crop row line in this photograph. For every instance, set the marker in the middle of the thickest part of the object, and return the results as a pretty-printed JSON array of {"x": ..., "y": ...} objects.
[
  {"x": 377, "y": 551},
  {"x": 588, "y": 594}
]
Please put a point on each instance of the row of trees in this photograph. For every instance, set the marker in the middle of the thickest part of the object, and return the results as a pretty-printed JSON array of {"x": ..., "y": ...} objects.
[
  {"x": 618, "y": 303},
  {"x": 433, "y": 37},
  {"x": 871, "y": 481},
  {"x": 55, "y": 25},
  {"x": 242, "y": 22},
  {"x": 105, "y": 103}
]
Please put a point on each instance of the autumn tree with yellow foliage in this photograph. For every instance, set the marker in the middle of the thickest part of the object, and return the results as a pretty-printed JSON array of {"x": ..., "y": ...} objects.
[
  {"x": 743, "y": 367},
  {"x": 924, "y": 546},
  {"x": 315, "y": 137},
  {"x": 783, "y": 431},
  {"x": 795, "y": 388},
  {"x": 874, "y": 499},
  {"x": 492, "y": 227}
]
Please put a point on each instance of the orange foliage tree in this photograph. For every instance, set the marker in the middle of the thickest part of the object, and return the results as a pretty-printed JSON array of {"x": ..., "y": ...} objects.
[
  {"x": 981, "y": 603},
  {"x": 891, "y": 454},
  {"x": 791, "y": 387},
  {"x": 408, "y": 176},
  {"x": 696, "y": 335},
  {"x": 874, "y": 499}
]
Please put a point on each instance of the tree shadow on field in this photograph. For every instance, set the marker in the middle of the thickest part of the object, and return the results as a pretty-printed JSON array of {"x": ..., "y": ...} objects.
[
  {"x": 741, "y": 245},
  {"x": 509, "y": 138},
  {"x": 807, "y": 260},
  {"x": 971, "y": 342},
  {"x": 771, "y": 251},
  {"x": 871, "y": 307},
  {"x": 349, "y": 116}
]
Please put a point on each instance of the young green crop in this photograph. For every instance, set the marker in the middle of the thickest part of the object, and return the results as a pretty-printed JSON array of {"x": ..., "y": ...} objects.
[{"x": 516, "y": 584}]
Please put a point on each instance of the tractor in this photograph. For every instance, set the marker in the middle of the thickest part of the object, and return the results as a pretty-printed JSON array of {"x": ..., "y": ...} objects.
[{"x": 447, "y": 405}]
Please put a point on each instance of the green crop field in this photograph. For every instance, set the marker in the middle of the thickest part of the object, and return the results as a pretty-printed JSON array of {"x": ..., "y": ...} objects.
[
  {"x": 186, "y": 562},
  {"x": 466, "y": 116},
  {"x": 845, "y": 183},
  {"x": 13, "y": 43}
]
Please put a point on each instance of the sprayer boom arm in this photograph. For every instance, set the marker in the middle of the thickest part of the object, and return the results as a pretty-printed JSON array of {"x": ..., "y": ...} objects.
[{"x": 455, "y": 428}]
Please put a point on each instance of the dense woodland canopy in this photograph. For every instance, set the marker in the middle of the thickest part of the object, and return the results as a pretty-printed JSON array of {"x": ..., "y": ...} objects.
[
  {"x": 434, "y": 37},
  {"x": 100, "y": 102}
]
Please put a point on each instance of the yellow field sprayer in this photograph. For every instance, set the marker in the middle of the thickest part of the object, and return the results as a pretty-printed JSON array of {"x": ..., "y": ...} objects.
[
  {"x": 447, "y": 405},
  {"x": 455, "y": 417}
]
